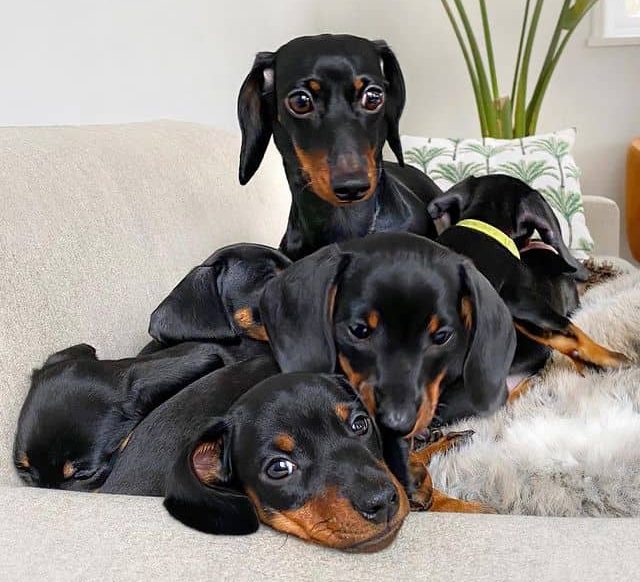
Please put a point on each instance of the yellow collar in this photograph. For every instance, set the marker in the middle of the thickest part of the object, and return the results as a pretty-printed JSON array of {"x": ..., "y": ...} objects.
[{"x": 495, "y": 233}]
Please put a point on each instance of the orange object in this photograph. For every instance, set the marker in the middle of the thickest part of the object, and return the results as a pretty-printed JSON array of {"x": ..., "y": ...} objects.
[{"x": 632, "y": 201}]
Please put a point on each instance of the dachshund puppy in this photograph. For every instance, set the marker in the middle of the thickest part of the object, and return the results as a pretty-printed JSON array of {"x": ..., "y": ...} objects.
[
  {"x": 242, "y": 445},
  {"x": 218, "y": 301},
  {"x": 331, "y": 102},
  {"x": 80, "y": 410},
  {"x": 492, "y": 216},
  {"x": 416, "y": 329},
  {"x": 511, "y": 206}
]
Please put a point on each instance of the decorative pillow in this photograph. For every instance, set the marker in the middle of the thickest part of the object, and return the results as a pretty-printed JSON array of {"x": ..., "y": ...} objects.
[{"x": 542, "y": 161}]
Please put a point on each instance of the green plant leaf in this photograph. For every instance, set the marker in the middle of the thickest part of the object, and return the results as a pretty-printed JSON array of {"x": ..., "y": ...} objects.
[{"x": 572, "y": 16}]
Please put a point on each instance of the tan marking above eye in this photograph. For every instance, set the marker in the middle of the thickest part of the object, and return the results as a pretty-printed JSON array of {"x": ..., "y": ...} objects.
[
  {"x": 434, "y": 324},
  {"x": 314, "y": 85},
  {"x": 244, "y": 318},
  {"x": 68, "y": 470},
  {"x": 358, "y": 83},
  {"x": 285, "y": 442},
  {"x": 342, "y": 411},
  {"x": 373, "y": 319}
]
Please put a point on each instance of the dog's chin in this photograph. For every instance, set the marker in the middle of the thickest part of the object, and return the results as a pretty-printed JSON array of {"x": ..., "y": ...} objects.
[
  {"x": 378, "y": 542},
  {"x": 340, "y": 202}
]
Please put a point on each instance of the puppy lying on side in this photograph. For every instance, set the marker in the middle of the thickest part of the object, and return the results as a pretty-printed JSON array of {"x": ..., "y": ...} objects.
[
  {"x": 242, "y": 445},
  {"x": 493, "y": 218},
  {"x": 80, "y": 410},
  {"x": 218, "y": 301}
]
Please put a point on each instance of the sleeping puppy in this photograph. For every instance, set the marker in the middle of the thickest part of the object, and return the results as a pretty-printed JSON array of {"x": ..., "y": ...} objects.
[
  {"x": 218, "y": 300},
  {"x": 416, "y": 329},
  {"x": 491, "y": 216},
  {"x": 80, "y": 410},
  {"x": 331, "y": 102},
  {"x": 242, "y": 445}
]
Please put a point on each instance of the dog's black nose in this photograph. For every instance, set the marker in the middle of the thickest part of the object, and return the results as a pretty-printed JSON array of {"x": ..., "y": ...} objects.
[
  {"x": 379, "y": 506},
  {"x": 398, "y": 421},
  {"x": 351, "y": 188}
]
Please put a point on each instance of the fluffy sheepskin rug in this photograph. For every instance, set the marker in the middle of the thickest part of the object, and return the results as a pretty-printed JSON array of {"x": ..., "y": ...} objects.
[{"x": 571, "y": 445}]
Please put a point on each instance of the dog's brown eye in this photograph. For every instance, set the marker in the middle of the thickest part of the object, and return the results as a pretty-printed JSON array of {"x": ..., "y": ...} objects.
[
  {"x": 300, "y": 102},
  {"x": 360, "y": 425},
  {"x": 441, "y": 336},
  {"x": 372, "y": 98},
  {"x": 360, "y": 330},
  {"x": 280, "y": 468}
]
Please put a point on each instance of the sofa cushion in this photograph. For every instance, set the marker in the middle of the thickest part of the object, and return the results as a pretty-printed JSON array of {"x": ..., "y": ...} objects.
[
  {"x": 98, "y": 223},
  {"x": 55, "y": 535}
]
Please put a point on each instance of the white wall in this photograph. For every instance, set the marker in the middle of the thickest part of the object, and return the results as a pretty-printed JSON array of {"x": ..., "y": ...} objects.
[{"x": 101, "y": 61}]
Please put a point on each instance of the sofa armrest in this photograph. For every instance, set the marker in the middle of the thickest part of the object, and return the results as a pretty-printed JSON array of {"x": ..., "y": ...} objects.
[{"x": 603, "y": 219}]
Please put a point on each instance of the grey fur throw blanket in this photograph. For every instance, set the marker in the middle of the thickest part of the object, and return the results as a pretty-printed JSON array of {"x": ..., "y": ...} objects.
[{"x": 570, "y": 446}]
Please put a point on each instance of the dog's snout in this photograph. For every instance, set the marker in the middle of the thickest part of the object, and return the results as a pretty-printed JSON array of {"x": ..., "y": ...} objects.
[
  {"x": 351, "y": 190},
  {"x": 350, "y": 177},
  {"x": 381, "y": 505},
  {"x": 399, "y": 421}
]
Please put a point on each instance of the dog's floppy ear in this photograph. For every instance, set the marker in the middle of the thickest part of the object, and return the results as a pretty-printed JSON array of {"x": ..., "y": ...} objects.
[
  {"x": 492, "y": 340},
  {"x": 219, "y": 299},
  {"x": 534, "y": 212},
  {"x": 297, "y": 308},
  {"x": 395, "y": 97},
  {"x": 451, "y": 204},
  {"x": 79, "y": 351},
  {"x": 194, "y": 310},
  {"x": 255, "y": 114},
  {"x": 199, "y": 491}
]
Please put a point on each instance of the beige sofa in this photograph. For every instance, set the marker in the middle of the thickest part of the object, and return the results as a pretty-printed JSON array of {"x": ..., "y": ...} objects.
[{"x": 96, "y": 226}]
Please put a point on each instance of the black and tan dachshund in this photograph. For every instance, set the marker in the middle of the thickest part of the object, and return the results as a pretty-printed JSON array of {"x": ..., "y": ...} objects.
[
  {"x": 297, "y": 452},
  {"x": 80, "y": 410},
  {"x": 420, "y": 333},
  {"x": 218, "y": 301},
  {"x": 493, "y": 219},
  {"x": 331, "y": 102},
  {"x": 242, "y": 445}
]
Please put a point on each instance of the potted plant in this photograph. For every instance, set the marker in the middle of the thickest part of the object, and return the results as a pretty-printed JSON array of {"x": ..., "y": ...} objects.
[{"x": 512, "y": 116}]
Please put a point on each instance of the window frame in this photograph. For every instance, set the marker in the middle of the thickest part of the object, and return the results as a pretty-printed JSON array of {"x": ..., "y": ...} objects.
[{"x": 605, "y": 31}]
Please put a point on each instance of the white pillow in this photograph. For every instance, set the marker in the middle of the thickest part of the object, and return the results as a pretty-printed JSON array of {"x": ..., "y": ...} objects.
[{"x": 542, "y": 161}]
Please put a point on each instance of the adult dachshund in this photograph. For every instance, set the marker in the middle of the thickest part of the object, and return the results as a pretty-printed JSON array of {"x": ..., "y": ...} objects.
[{"x": 331, "y": 102}]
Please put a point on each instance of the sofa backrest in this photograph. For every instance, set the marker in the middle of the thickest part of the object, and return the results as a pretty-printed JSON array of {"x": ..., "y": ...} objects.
[{"x": 98, "y": 223}]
